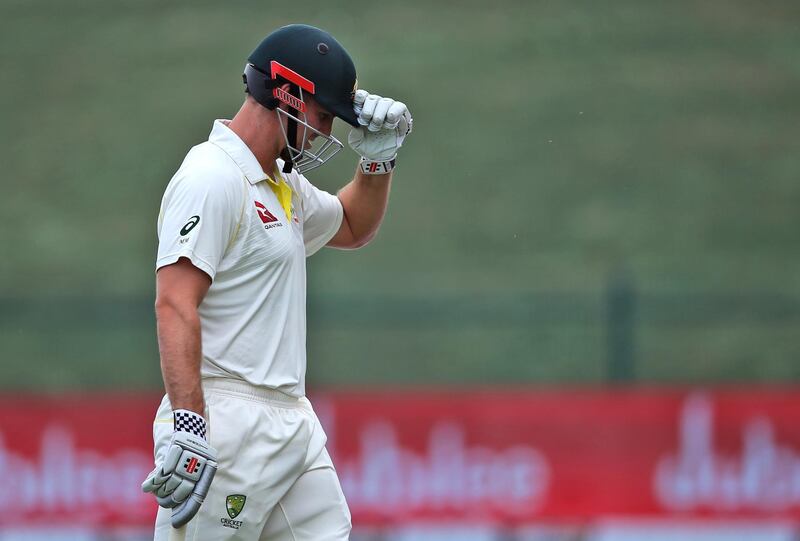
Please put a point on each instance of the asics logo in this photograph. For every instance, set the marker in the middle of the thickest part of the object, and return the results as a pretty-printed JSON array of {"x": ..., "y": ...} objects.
[{"x": 193, "y": 221}]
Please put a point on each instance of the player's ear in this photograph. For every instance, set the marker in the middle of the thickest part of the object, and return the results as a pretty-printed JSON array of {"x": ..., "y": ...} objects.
[{"x": 286, "y": 87}]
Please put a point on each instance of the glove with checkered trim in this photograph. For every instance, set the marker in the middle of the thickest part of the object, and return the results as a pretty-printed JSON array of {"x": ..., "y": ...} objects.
[
  {"x": 385, "y": 123},
  {"x": 182, "y": 481}
]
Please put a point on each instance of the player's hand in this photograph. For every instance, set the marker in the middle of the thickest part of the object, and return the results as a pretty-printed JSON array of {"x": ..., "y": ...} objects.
[
  {"x": 385, "y": 123},
  {"x": 182, "y": 481}
]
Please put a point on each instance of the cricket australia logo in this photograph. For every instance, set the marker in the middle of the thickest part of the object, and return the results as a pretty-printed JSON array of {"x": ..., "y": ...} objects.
[{"x": 233, "y": 505}]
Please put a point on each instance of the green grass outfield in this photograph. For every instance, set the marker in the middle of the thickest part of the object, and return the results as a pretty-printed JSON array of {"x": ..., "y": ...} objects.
[{"x": 554, "y": 143}]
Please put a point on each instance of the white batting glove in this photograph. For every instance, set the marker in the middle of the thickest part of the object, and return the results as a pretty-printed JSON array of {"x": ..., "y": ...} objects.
[
  {"x": 385, "y": 123},
  {"x": 182, "y": 481}
]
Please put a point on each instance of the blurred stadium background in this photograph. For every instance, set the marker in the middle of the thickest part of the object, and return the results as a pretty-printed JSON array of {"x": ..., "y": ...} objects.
[{"x": 586, "y": 292}]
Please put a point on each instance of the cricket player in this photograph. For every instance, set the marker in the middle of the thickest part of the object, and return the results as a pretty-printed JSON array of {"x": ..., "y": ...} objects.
[{"x": 239, "y": 451}]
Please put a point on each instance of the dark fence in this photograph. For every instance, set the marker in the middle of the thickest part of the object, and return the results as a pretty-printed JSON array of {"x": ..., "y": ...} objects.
[{"x": 617, "y": 335}]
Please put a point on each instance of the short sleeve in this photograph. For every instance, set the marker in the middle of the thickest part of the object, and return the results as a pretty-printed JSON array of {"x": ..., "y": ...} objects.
[
  {"x": 199, "y": 217},
  {"x": 322, "y": 215}
]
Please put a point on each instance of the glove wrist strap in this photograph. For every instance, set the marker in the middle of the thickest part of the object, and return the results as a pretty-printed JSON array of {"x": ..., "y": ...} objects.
[
  {"x": 189, "y": 421},
  {"x": 376, "y": 167}
]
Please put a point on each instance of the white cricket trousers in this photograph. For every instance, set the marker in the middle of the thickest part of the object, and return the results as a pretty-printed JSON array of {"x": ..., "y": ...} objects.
[{"x": 275, "y": 480}]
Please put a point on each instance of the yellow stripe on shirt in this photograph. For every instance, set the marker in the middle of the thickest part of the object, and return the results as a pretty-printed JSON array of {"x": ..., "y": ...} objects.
[{"x": 283, "y": 192}]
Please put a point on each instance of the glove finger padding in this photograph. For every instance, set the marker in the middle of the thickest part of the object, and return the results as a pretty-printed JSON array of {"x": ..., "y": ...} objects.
[
  {"x": 172, "y": 483},
  {"x": 154, "y": 481},
  {"x": 183, "y": 490},
  {"x": 379, "y": 114},
  {"x": 183, "y": 513},
  {"x": 368, "y": 109},
  {"x": 395, "y": 114},
  {"x": 358, "y": 101},
  {"x": 173, "y": 456},
  {"x": 178, "y": 495},
  {"x": 166, "y": 501},
  {"x": 169, "y": 486}
]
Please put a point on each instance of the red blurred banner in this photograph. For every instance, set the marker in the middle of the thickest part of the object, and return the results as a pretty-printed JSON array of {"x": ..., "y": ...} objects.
[
  {"x": 504, "y": 457},
  {"x": 75, "y": 460}
]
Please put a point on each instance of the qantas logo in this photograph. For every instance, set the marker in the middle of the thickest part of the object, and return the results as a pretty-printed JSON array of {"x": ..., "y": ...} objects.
[{"x": 266, "y": 216}]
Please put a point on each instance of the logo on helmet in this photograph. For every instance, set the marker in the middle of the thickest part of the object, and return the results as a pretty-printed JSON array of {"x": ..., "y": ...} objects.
[
  {"x": 277, "y": 69},
  {"x": 292, "y": 101}
]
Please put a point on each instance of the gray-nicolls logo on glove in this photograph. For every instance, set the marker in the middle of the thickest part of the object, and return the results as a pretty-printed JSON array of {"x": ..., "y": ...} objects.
[
  {"x": 182, "y": 481},
  {"x": 385, "y": 123}
]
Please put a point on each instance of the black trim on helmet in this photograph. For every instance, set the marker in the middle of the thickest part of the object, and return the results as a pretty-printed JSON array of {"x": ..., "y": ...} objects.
[
  {"x": 259, "y": 85},
  {"x": 291, "y": 130}
]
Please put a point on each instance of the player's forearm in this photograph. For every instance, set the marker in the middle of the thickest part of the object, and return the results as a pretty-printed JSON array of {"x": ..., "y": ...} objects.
[
  {"x": 364, "y": 201},
  {"x": 179, "y": 346}
]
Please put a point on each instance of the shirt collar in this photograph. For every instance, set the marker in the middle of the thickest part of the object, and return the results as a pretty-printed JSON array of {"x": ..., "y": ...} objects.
[{"x": 223, "y": 137}]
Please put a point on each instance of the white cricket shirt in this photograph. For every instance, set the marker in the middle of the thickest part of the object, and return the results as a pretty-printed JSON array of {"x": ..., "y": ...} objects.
[{"x": 222, "y": 212}]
